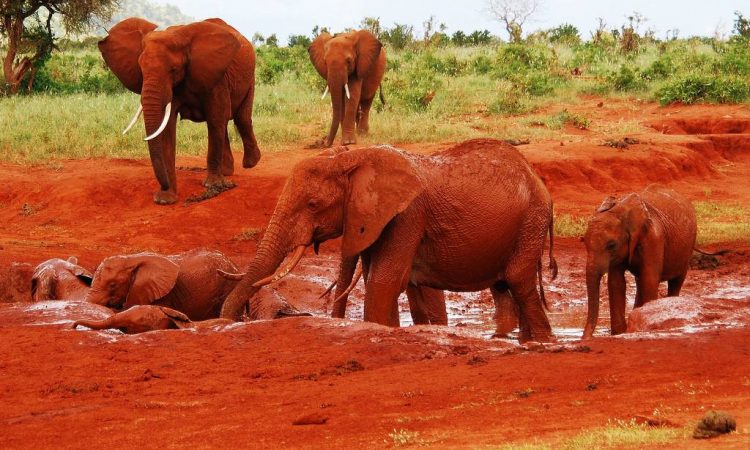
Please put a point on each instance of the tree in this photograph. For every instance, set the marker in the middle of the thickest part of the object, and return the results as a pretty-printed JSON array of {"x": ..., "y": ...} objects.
[
  {"x": 741, "y": 25},
  {"x": 513, "y": 14},
  {"x": 27, "y": 28},
  {"x": 372, "y": 24}
]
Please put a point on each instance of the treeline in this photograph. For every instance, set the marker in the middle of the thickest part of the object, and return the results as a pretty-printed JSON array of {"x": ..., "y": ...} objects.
[{"x": 516, "y": 76}]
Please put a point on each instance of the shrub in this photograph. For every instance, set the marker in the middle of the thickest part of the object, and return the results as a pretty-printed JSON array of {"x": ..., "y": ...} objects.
[
  {"x": 564, "y": 34},
  {"x": 697, "y": 88},
  {"x": 625, "y": 79}
]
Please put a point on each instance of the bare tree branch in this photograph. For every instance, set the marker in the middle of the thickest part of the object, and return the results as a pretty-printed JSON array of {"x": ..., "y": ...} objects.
[{"x": 513, "y": 14}]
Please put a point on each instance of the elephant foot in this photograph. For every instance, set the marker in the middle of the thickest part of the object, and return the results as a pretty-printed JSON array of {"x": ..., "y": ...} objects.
[
  {"x": 165, "y": 197},
  {"x": 350, "y": 141},
  {"x": 227, "y": 169},
  {"x": 250, "y": 159}
]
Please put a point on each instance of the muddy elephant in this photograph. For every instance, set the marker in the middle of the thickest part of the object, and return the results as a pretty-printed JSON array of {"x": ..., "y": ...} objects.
[
  {"x": 353, "y": 65},
  {"x": 465, "y": 219},
  {"x": 189, "y": 282},
  {"x": 203, "y": 71},
  {"x": 651, "y": 234},
  {"x": 143, "y": 318},
  {"x": 60, "y": 279}
]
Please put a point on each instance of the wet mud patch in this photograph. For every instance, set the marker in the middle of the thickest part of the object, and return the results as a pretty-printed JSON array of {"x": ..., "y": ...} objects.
[{"x": 211, "y": 192}]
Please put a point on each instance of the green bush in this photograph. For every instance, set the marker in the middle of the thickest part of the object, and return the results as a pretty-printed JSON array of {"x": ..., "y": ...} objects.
[
  {"x": 625, "y": 80},
  {"x": 411, "y": 88},
  {"x": 704, "y": 88},
  {"x": 76, "y": 73}
]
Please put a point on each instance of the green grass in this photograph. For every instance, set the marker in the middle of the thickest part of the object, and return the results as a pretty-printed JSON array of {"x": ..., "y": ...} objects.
[
  {"x": 567, "y": 225},
  {"x": 617, "y": 434},
  {"x": 722, "y": 222}
]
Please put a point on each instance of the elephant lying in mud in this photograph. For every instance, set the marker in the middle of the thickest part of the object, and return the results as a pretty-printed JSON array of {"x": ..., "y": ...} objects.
[
  {"x": 651, "y": 234},
  {"x": 188, "y": 282},
  {"x": 143, "y": 318},
  {"x": 60, "y": 279},
  {"x": 469, "y": 218}
]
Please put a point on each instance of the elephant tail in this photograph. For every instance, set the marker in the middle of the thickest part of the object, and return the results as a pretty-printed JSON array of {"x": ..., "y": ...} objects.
[
  {"x": 552, "y": 260},
  {"x": 541, "y": 285},
  {"x": 382, "y": 97},
  {"x": 718, "y": 253}
]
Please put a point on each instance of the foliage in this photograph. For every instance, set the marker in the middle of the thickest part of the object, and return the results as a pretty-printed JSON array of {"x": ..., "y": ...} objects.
[
  {"x": 564, "y": 34},
  {"x": 695, "y": 88},
  {"x": 741, "y": 25},
  {"x": 164, "y": 15},
  {"x": 398, "y": 37}
]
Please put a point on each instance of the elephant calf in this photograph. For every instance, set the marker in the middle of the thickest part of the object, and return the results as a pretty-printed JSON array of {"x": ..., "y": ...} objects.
[
  {"x": 189, "y": 282},
  {"x": 651, "y": 234},
  {"x": 60, "y": 279},
  {"x": 143, "y": 318}
]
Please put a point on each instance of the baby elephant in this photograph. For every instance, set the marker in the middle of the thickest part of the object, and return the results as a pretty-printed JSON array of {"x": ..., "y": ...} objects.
[
  {"x": 652, "y": 235},
  {"x": 189, "y": 282},
  {"x": 143, "y": 318},
  {"x": 60, "y": 279}
]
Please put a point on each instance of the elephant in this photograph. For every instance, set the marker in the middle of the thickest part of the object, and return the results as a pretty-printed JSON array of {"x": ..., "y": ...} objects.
[
  {"x": 203, "y": 71},
  {"x": 651, "y": 234},
  {"x": 188, "y": 282},
  {"x": 143, "y": 318},
  {"x": 60, "y": 279},
  {"x": 353, "y": 65},
  {"x": 465, "y": 219}
]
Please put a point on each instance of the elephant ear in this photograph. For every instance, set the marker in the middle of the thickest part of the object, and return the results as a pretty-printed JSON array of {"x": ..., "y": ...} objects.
[
  {"x": 121, "y": 49},
  {"x": 637, "y": 223},
  {"x": 607, "y": 204},
  {"x": 210, "y": 53},
  {"x": 382, "y": 183},
  {"x": 318, "y": 55},
  {"x": 82, "y": 274},
  {"x": 368, "y": 51},
  {"x": 153, "y": 277}
]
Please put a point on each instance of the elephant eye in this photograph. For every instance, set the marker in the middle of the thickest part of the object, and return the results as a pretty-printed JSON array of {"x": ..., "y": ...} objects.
[
  {"x": 611, "y": 245},
  {"x": 313, "y": 204}
]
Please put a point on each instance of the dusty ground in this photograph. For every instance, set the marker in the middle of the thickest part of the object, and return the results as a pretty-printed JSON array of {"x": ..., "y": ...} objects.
[{"x": 244, "y": 386}]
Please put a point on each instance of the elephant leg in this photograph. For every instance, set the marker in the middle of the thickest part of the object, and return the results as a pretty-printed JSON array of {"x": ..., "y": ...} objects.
[
  {"x": 390, "y": 260},
  {"x": 351, "y": 112},
  {"x": 675, "y": 285},
  {"x": 418, "y": 314},
  {"x": 363, "y": 122},
  {"x": 506, "y": 311},
  {"x": 217, "y": 134},
  {"x": 227, "y": 159},
  {"x": 243, "y": 120},
  {"x": 522, "y": 281},
  {"x": 347, "y": 267},
  {"x": 616, "y": 287},
  {"x": 427, "y": 306}
]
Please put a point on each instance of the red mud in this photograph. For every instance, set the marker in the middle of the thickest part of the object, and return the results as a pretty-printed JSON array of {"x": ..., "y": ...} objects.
[{"x": 348, "y": 383}]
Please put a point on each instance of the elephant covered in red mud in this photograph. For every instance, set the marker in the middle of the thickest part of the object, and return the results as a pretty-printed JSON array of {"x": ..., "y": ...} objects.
[
  {"x": 469, "y": 218},
  {"x": 652, "y": 235}
]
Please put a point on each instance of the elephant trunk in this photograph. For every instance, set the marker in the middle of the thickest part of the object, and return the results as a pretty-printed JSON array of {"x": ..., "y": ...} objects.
[
  {"x": 95, "y": 324},
  {"x": 271, "y": 253},
  {"x": 338, "y": 102},
  {"x": 593, "y": 284},
  {"x": 154, "y": 105}
]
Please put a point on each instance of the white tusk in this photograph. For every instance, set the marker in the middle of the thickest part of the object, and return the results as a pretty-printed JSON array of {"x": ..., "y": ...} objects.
[
  {"x": 135, "y": 119},
  {"x": 324, "y": 93},
  {"x": 296, "y": 256},
  {"x": 167, "y": 114},
  {"x": 346, "y": 88}
]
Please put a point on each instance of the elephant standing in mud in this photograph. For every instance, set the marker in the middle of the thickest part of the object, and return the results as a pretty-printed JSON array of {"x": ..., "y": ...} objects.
[
  {"x": 651, "y": 234},
  {"x": 353, "y": 65},
  {"x": 189, "y": 282},
  {"x": 60, "y": 279},
  {"x": 203, "y": 71},
  {"x": 469, "y": 218}
]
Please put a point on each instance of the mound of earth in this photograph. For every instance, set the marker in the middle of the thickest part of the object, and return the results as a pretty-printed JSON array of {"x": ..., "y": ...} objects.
[
  {"x": 686, "y": 312},
  {"x": 56, "y": 312}
]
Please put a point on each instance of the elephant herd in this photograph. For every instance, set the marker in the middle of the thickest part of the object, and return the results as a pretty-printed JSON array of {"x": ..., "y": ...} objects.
[{"x": 473, "y": 217}]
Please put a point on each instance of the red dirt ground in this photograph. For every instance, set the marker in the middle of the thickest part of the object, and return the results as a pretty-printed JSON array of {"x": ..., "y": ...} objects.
[{"x": 245, "y": 386}]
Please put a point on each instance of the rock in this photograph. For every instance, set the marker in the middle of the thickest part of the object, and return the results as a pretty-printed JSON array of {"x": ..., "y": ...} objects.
[
  {"x": 714, "y": 423},
  {"x": 311, "y": 419},
  {"x": 670, "y": 313}
]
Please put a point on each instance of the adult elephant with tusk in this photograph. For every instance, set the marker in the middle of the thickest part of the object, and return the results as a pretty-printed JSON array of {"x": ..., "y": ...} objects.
[
  {"x": 203, "y": 72},
  {"x": 353, "y": 65},
  {"x": 472, "y": 217}
]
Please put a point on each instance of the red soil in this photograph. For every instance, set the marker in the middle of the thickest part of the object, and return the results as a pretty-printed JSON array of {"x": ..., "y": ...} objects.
[{"x": 246, "y": 385}]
